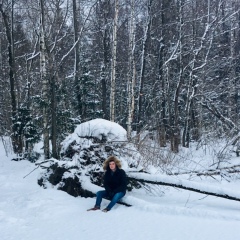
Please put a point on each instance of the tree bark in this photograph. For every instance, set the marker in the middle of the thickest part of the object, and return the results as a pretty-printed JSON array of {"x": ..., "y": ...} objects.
[
  {"x": 16, "y": 139},
  {"x": 76, "y": 26},
  {"x": 131, "y": 71},
  {"x": 45, "y": 85},
  {"x": 106, "y": 56},
  {"x": 143, "y": 65},
  {"x": 54, "y": 116},
  {"x": 114, "y": 63}
]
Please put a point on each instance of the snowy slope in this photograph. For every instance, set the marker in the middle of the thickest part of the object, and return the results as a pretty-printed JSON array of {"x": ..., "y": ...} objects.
[{"x": 28, "y": 212}]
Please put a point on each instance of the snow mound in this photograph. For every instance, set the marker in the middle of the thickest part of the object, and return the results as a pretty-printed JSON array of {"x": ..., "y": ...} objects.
[
  {"x": 99, "y": 129},
  {"x": 102, "y": 129},
  {"x": 83, "y": 153}
]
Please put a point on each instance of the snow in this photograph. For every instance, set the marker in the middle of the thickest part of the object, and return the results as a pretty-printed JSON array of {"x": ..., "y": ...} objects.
[
  {"x": 29, "y": 212},
  {"x": 99, "y": 128}
]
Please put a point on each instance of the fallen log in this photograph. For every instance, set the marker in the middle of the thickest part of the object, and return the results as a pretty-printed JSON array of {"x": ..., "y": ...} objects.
[
  {"x": 211, "y": 172},
  {"x": 185, "y": 184}
]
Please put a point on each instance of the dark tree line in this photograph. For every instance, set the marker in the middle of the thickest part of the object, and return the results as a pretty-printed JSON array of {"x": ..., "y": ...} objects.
[{"x": 166, "y": 66}]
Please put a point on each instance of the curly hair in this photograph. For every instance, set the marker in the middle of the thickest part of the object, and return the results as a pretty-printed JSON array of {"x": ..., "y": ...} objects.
[{"x": 111, "y": 159}]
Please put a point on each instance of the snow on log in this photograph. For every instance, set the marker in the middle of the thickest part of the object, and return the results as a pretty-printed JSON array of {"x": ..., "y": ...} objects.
[
  {"x": 210, "y": 172},
  {"x": 185, "y": 184}
]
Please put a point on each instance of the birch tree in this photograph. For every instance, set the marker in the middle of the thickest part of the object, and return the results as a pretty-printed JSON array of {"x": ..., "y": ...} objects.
[
  {"x": 114, "y": 63},
  {"x": 131, "y": 71},
  {"x": 45, "y": 85},
  {"x": 76, "y": 26}
]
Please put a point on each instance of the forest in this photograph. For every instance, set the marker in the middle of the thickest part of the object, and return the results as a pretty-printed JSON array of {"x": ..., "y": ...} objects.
[{"x": 170, "y": 68}]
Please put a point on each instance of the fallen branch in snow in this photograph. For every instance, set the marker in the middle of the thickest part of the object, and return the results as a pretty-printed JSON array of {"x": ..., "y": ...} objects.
[
  {"x": 38, "y": 165},
  {"x": 219, "y": 171},
  {"x": 184, "y": 184},
  {"x": 31, "y": 171}
]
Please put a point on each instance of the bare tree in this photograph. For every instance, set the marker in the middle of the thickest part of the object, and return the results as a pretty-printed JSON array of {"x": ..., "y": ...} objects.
[
  {"x": 106, "y": 55},
  {"x": 146, "y": 37},
  {"x": 8, "y": 23},
  {"x": 114, "y": 63},
  {"x": 76, "y": 26},
  {"x": 45, "y": 84},
  {"x": 131, "y": 71}
]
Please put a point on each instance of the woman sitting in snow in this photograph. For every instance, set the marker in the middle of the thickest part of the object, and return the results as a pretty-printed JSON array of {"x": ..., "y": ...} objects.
[{"x": 115, "y": 184}]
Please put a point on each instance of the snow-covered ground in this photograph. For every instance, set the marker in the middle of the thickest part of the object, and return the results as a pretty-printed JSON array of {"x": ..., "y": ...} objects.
[{"x": 29, "y": 212}]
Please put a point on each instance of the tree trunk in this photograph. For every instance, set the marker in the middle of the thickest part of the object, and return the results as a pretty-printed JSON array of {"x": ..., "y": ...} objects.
[
  {"x": 106, "y": 57},
  {"x": 176, "y": 130},
  {"x": 193, "y": 81},
  {"x": 212, "y": 172},
  {"x": 186, "y": 185},
  {"x": 53, "y": 116},
  {"x": 76, "y": 26},
  {"x": 162, "y": 125},
  {"x": 16, "y": 138},
  {"x": 131, "y": 71},
  {"x": 143, "y": 64},
  {"x": 45, "y": 85},
  {"x": 114, "y": 63},
  {"x": 232, "y": 86}
]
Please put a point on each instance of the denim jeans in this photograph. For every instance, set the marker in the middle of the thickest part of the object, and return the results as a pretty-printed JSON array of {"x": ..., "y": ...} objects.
[{"x": 103, "y": 194}]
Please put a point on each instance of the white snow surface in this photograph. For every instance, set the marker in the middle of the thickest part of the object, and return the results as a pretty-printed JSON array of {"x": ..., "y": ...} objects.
[
  {"x": 98, "y": 127},
  {"x": 29, "y": 212}
]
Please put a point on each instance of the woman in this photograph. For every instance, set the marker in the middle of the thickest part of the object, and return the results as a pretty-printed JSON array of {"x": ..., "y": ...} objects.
[{"x": 115, "y": 184}]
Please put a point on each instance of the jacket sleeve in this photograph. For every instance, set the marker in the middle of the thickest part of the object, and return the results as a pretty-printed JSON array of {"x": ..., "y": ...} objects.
[{"x": 105, "y": 183}]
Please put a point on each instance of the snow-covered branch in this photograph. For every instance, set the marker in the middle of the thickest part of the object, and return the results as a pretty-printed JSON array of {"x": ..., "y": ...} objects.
[{"x": 185, "y": 184}]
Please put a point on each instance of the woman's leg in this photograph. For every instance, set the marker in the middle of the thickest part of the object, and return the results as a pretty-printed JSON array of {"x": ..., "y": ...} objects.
[
  {"x": 115, "y": 199},
  {"x": 100, "y": 196}
]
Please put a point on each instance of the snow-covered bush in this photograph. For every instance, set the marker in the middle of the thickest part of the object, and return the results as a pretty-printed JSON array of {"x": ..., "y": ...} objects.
[{"x": 83, "y": 153}]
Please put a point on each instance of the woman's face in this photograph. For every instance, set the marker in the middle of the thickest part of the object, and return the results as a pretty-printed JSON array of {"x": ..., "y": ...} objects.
[{"x": 112, "y": 166}]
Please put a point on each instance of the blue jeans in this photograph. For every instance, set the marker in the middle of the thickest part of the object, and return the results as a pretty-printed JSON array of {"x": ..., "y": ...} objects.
[{"x": 103, "y": 194}]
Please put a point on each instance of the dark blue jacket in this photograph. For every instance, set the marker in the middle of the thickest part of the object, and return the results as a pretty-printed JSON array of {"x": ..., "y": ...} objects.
[{"x": 116, "y": 182}]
